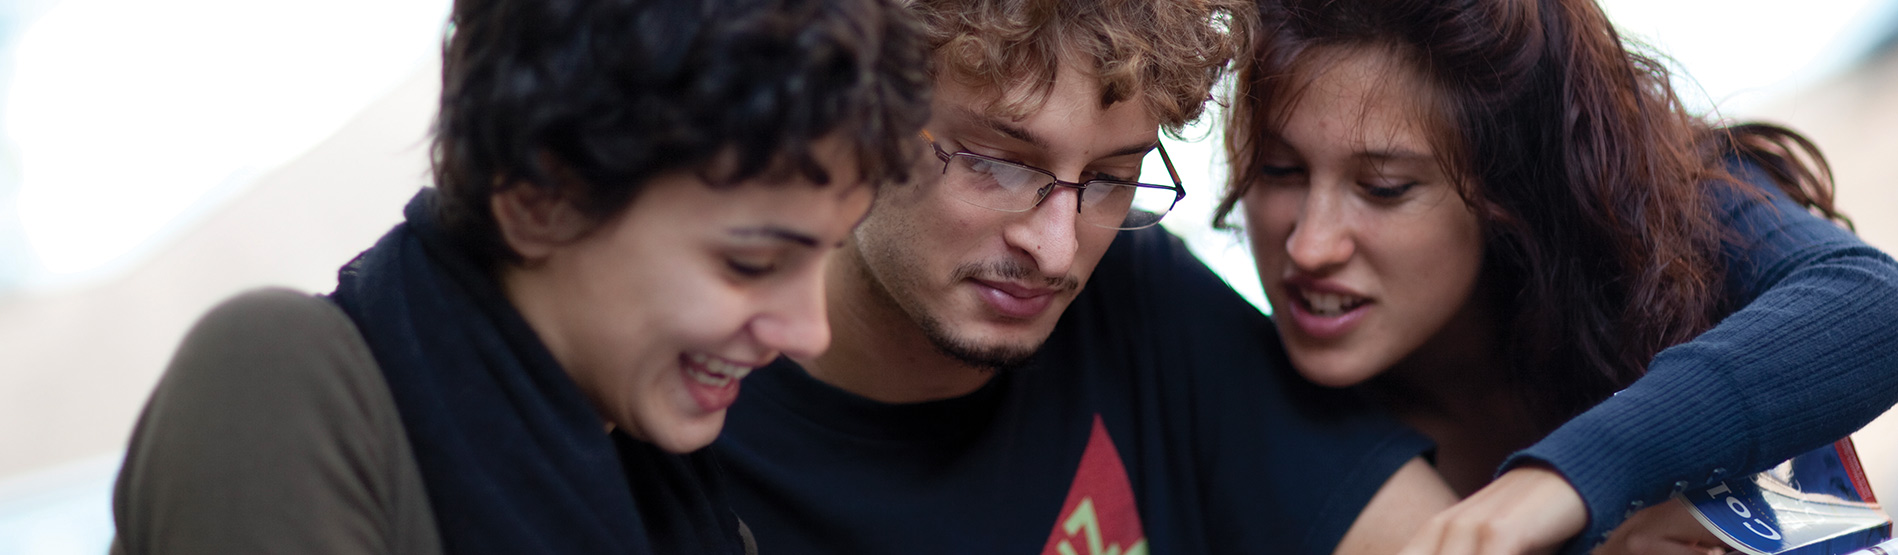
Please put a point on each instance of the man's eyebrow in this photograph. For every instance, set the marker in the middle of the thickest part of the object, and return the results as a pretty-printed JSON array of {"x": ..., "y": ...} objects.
[
  {"x": 1015, "y": 132},
  {"x": 1133, "y": 149},
  {"x": 1024, "y": 135},
  {"x": 778, "y": 233}
]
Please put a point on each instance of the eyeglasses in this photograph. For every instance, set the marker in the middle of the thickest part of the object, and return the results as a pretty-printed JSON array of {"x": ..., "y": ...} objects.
[{"x": 998, "y": 184}]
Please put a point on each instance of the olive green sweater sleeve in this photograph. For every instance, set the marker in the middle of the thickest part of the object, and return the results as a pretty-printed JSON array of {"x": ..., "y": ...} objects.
[{"x": 272, "y": 431}]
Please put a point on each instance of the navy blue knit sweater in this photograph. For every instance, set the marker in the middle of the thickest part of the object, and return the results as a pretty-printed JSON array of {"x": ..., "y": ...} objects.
[{"x": 1812, "y": 357}]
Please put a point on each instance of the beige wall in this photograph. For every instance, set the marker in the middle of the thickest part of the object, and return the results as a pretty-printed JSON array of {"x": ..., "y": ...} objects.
[{"x": 79, "y": 364}]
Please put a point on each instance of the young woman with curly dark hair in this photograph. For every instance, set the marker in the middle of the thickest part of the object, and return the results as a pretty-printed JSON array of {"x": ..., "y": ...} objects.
[
  {"x": 1494, "y": 217},
  {"x": 634, "y": 207}
]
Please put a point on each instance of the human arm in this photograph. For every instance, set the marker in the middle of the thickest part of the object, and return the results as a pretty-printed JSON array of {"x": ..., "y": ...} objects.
[
  {"x": 1412, "y": 496},
  {"x": 271, "y": 433},
  {"x": 1527, "y": 510},
  {"x": 1806, "y": 360},
  {"x": 1531, "y": 509}
]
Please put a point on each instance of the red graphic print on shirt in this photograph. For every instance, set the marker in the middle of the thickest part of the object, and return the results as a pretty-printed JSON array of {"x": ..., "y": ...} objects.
[{"x": 1099, "y": 517}]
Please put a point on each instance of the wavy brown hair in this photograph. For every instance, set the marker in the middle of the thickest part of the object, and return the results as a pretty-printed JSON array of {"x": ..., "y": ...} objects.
[
  {"x": 1166, "y": 54},
  {"x": 1594, "y": 185}
]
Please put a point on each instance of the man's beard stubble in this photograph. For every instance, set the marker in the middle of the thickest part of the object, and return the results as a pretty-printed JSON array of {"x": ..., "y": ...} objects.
[{"x": 963, "y": 350}]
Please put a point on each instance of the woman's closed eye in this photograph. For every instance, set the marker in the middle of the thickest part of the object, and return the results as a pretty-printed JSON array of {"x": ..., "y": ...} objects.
[
  {"x": 1388, "y": 192},
  {"x": 1280, "y": 171},
  {"x": 751, "y": 267}
]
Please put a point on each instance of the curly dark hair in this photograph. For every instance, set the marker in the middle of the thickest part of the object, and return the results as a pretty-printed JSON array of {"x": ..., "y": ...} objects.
[
  {"x": 1591, "y": 180},
  {"x": 593, "y": 98},
  {"x": 1165, "y": 54}
]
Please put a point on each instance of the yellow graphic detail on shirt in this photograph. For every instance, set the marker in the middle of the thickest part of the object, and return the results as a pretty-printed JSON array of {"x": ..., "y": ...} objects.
[
  {"x": 1084, "y": 520},
  {"x": 1100, "y": 515}
]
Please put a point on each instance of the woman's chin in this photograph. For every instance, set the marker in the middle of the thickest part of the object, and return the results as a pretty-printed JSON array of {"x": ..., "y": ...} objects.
[
  {"x": 686, "y": 437},
  {"x": 680, "y": 432},
  {"x": 1331, "y": 368}
]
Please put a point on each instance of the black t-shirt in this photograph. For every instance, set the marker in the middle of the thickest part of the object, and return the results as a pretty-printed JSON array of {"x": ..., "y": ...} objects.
[{"x": 1162, "y": 413}]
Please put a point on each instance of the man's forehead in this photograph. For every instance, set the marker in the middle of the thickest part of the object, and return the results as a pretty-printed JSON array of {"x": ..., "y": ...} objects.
[
  {"x": 986, "y": 113},
  {"x": 1019, "y": 96}
]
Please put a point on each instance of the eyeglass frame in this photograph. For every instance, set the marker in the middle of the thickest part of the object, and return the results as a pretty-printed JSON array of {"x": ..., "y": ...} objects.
[{"x": 1080, "y": 188}]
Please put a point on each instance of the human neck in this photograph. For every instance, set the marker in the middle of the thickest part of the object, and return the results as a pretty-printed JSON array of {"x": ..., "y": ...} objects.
[
  {"x": 1474, "y": 436},
  {"x": 877, "y": 351},
  {"x": 1456, "y": 390},
  {"x": 534, "y": 297}
]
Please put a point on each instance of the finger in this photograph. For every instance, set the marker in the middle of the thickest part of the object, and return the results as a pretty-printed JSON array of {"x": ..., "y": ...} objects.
[
  {"x": 1650, "y": 545},
  {"x": 1678, "y": 523}
]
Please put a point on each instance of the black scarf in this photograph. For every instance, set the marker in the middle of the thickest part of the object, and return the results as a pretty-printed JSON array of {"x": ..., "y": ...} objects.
[{"x": 513, "y": 456}]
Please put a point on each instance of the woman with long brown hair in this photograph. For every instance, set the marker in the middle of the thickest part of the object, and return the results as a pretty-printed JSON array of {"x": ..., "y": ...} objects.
[{"x": 1494, "y": 217}]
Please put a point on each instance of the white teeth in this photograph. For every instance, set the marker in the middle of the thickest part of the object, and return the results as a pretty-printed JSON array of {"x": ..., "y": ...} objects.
[
  {"x": 1329, "y": 304},
  {"x": 708, "y": 379},
  {"x": 714, "y": 371}
]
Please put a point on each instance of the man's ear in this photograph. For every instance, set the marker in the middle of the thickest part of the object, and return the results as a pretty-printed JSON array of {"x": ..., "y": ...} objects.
[{"x": 535, "y": 221}]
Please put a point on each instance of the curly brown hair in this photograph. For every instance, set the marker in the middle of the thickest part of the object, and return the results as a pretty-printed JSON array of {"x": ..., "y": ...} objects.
[{"x": 1165, "y": 53}]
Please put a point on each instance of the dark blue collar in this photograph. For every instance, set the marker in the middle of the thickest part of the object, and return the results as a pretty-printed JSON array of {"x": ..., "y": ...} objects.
[{"x": 513, "y": 455}]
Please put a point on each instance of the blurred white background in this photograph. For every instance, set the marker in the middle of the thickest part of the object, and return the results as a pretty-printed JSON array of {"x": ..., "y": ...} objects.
[{"x": 156, "y": 157}]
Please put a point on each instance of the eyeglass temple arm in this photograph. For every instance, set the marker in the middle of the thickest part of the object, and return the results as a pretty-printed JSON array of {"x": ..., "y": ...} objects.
[
  {"x": 931, "y": 139},
  {"x": 1175, "y": 174}
]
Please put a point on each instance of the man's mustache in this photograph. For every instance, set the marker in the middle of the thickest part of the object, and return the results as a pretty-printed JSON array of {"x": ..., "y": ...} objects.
[{"x": 1014, "y": 271}]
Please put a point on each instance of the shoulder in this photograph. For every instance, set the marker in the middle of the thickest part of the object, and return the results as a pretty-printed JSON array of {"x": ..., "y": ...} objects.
[
  {"x": 271, "y": 427},
  {"x": 270, "y": 342},
  {"x": 1769, "y": 237},
  {"x": 1153, "y": 268},
  {"x": 1152, "y": 252},
  {"x": 274, "y": 321}
]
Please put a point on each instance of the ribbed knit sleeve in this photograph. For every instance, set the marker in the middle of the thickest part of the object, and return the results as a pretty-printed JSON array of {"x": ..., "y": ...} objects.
[{"x": 1810, "y": 358}]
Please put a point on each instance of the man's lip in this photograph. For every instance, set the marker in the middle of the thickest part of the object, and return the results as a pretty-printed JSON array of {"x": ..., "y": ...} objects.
[
  {"x": 1018, "y": 290},
  {"x": 1017, "y": 302}
]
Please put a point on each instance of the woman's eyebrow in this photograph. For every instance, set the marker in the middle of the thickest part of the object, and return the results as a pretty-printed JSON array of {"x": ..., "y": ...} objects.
[
  {"x": 775, "y": 232},
  {"x": 1394, "y": 155}
]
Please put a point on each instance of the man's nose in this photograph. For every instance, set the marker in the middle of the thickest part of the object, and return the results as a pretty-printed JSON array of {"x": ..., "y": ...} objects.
[{"x": 1047, "y": 233}]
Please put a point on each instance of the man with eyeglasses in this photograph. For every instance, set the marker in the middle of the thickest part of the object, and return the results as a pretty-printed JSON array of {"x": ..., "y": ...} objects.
[{"x": 1022, "y": 362}]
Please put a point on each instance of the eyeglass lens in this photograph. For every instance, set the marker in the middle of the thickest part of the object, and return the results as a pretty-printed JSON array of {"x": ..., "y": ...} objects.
[{"x": 1012, "y": 188}]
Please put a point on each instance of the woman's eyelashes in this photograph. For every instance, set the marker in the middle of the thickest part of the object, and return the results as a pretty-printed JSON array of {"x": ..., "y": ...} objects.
[
  {"x": 751, "y": 267},
  {"x": 1388, "y": 192},
  {"x": 1285, "y": 168},
  {"x": 1271, "y": 171},
  {"x": 1377, "y": 188}
]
